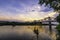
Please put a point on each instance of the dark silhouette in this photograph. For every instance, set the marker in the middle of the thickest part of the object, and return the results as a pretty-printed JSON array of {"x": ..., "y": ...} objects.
[
  {"x": 55, "y": 4},
  {"x": 3, "y": 23},
  {"x": 50, "y": 26},
  {"x": 36, "y": 31},
  {"x": 13, "y": 25},
  {"x": 58, "y": 18}
]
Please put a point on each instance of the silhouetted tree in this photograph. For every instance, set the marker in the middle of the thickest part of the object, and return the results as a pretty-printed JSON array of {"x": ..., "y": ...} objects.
[
  {"x": 55, "y": 4},
  {"x": 58, "y": 18}
]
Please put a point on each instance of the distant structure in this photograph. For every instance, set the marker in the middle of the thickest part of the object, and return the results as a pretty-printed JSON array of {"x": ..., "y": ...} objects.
[
  {"x": 48, "y": 21},
  {"x": 50, "y": 26}
]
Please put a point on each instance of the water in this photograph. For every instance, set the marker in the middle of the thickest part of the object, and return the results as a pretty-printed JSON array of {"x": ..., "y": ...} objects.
[{"x": 26, "y": 33}]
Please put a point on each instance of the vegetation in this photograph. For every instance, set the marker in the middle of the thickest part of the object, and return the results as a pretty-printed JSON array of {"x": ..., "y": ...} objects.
[
  {"x": 55, "y": 4},
  {"x": 58, "y": 18},
  {"x": 58, "y": 34},
  {"x": 2, "y": 23},
  {"x": 58, "y": 27}
]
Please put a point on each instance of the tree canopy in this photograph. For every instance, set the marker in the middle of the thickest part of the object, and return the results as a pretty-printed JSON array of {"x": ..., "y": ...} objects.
[
  {"x": 58, "y": 18},
  {"x": 55, "y": 4}
]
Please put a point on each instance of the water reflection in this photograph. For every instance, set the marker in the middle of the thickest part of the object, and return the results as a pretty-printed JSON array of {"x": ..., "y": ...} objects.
[
  {"x": 44, "y": 30},
  {"x": 27, "y": 33}
]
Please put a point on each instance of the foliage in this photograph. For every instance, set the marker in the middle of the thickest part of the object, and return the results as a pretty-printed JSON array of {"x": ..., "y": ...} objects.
[
  {"x": 58, "y": 34},
  {"x": 58, "y": 18},
  {"x": 58, "y": 27},
  {"x": 55, "y": 4}
]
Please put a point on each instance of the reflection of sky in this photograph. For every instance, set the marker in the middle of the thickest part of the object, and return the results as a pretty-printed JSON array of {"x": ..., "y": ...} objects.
[{"x": 23, "y": 10}]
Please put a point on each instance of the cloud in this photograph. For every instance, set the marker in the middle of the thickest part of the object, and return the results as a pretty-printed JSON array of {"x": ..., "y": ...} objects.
[
  {"x": 24, "y": 11},
  {"x": 31, "y": 16}
]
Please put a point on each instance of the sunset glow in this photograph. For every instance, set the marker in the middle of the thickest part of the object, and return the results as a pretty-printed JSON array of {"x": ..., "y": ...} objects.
[{"x": 23, "y": 11}]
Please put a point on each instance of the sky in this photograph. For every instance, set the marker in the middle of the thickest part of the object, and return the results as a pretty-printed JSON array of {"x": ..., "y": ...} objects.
[{"x": 24, "y": 10}]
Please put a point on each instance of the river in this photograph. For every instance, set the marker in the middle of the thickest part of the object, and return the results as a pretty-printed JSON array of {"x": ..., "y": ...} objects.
[{"x": 26, "y": 33}]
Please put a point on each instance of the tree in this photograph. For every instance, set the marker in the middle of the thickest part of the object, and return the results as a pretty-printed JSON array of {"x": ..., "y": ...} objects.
[
  {"x": 55, "y": 4},
  {"x": 58, "y": 18}
]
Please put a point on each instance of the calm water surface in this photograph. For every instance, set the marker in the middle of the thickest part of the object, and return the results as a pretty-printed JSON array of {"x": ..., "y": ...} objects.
[{"x": 26, "y": 33}]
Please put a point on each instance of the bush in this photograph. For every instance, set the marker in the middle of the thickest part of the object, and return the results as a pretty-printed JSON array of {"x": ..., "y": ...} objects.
[
  {"x": 58, "y": 18},
  {"x": 58, "y": 27}
]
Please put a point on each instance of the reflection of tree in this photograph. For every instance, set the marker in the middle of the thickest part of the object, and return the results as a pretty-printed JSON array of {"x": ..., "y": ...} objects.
[
  {"x": 58, "y": 18},
  {"x": 13, "y": 26},
  {"x": 58, "y": 27},
  {"x": 36, "y": 31},
  {"x": 58, "y": 34},
  {"x": 34, "y": 38}
]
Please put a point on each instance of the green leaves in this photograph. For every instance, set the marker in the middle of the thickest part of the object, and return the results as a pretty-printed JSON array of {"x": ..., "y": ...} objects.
[
  {"x": 58, "y": 27},
  {"x": 58, "y": 18},
  {"x": 55, "y": 4}
]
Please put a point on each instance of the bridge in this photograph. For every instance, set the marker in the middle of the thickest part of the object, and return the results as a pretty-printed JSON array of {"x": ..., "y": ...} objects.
[{"x": 49, "y": 21}]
